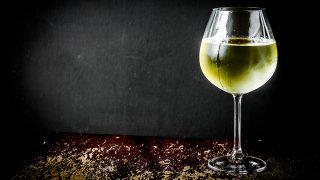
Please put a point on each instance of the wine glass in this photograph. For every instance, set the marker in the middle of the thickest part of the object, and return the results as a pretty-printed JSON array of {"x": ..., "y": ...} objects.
[{"x": 238, "y": 54}]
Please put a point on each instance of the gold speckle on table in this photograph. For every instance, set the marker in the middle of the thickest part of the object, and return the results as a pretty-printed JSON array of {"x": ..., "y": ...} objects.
[{"x": 85, "y": 156}]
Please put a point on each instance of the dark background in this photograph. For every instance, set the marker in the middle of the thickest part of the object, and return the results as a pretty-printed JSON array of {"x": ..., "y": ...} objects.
[{"x": 131, "y": 67}]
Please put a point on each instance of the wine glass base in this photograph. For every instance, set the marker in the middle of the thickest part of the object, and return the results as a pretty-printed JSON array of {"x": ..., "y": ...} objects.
[{"x": 248, "y": 165}]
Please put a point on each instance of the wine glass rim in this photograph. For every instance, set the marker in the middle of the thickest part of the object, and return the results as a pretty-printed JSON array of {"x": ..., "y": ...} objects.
[{"x": 239, "y": 9}]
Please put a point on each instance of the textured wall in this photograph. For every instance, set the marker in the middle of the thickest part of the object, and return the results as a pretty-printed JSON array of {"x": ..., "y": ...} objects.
[{"x": 131, "y": 67}]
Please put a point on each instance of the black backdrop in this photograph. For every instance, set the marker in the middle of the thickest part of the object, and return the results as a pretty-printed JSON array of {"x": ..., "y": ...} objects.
[{"x": 131, "y": 67}]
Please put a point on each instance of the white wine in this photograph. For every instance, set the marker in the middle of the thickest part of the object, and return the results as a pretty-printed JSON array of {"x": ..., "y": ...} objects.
[{"x": 238, "y": 65}]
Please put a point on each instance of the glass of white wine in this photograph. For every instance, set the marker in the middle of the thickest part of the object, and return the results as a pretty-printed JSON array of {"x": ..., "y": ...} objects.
[{"x": 238, "y": 54}]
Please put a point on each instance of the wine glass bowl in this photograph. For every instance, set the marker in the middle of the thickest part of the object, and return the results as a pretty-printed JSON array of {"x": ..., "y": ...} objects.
[
  {"x": 238, "y": 65},
  {"x": 238, "y": 54}
]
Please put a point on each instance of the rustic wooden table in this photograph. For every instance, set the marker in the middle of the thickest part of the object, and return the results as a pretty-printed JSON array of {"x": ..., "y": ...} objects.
[{"x": 88, "y": 156}]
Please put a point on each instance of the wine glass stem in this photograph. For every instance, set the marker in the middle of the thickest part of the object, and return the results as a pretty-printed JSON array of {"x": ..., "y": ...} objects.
[{"x": 237, "y": 155}]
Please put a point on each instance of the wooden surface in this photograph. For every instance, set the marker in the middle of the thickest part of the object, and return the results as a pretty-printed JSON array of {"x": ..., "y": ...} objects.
[{"x": 88, "y": 156}]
